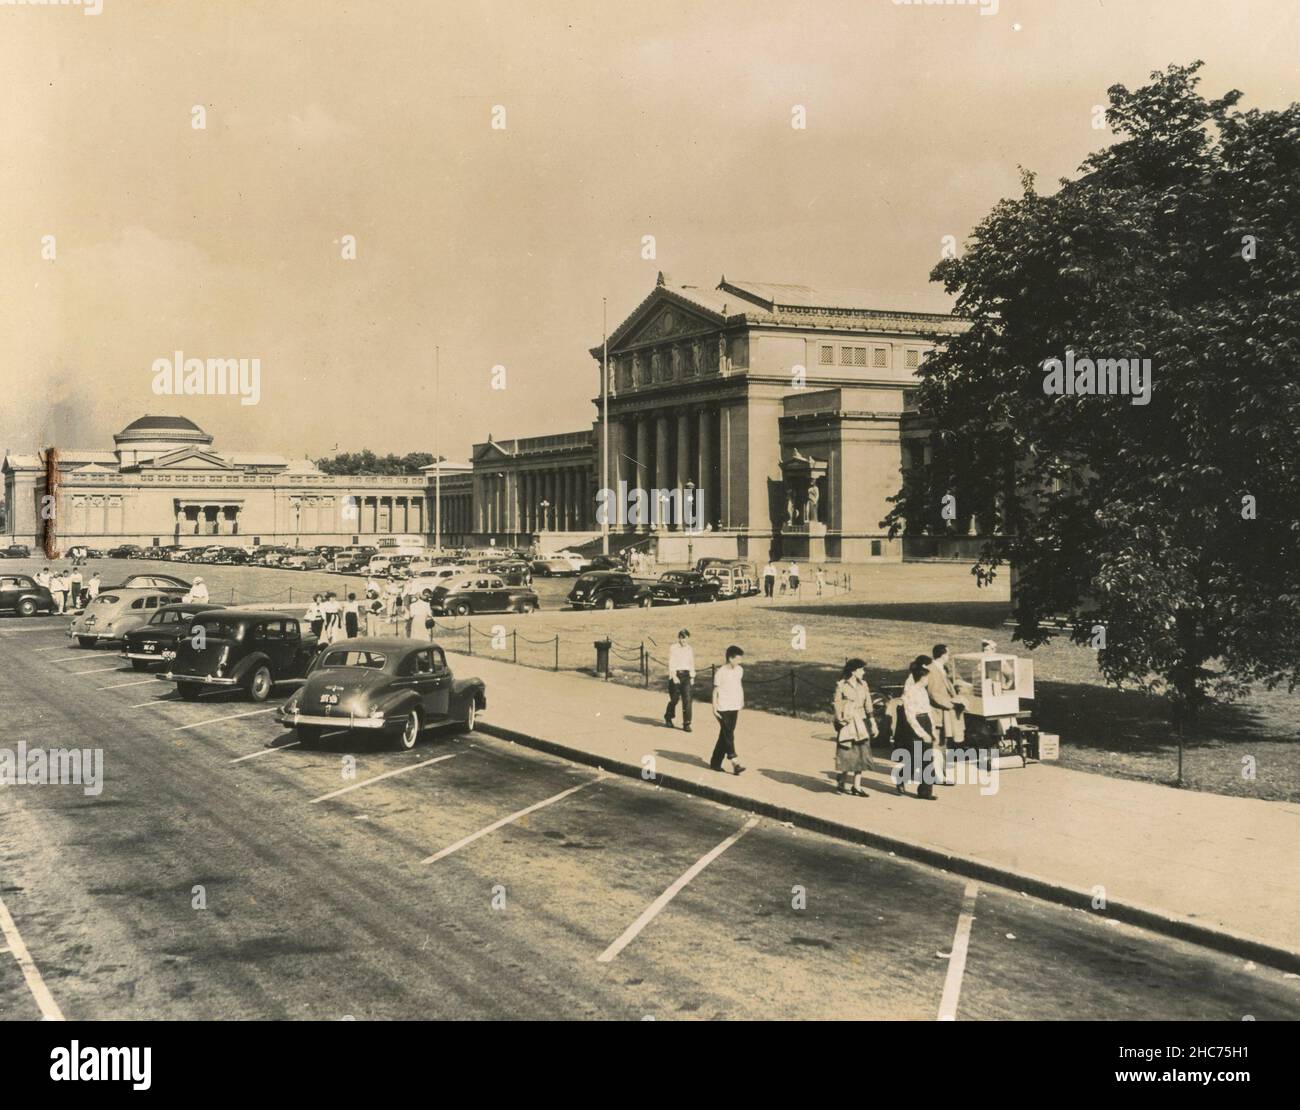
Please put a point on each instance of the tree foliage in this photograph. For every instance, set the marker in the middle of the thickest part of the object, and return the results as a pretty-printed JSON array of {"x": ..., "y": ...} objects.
[
  {"x": 367, "y": 462},
  {"x": 1180, "y": 243}
]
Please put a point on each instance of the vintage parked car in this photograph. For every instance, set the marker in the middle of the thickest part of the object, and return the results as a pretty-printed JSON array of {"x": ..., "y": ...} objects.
[
  {"x": 481, "y": 593},
  {"x": 733, "y": 580},
  {"x": 232, "y": 556},
  {"x": 397, "y": 687},
  {"x": 608, "y": 562},
  {"x": 20, "y": 594},
  {"x": 685, "y": 587},
  {"x": 125, "y": 551},
  {"x": 609, "y": 589},
  {"x": 546, "y": 566},
  {"x": 352, "y": 558},
  {"x": 241, "y": 649},
  {"x": 516, "y": 572},
  {"x": 16, "y": 551},
  {"x": 117, "y": 611},
  {"x": 426, "y": 581},
  {"x": 151, "y": 582},
  {"x": 156, "y": 642},
  {"x": 302, "y": 559}
]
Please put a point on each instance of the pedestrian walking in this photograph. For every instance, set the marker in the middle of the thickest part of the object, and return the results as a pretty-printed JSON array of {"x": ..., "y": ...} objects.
[
  {"x": 915, "y": 728},
  {"x": 769, "y": 578},
  {"x": 728, "y": 701},
  {"x": 854, "y": 727},
  {"x": 351, "y": 616},
  {"x": 948, "y": 710},
  {"x": 681, "y": 673},
  {"x": 59, "y": 589},
  {"x": 392, "y": 597},
  {"x": 332, "y": 613},
  {"x": 74, "y": 585},
  {"x": 314, "y": 616},
  {"x": 785, "y": 580},
  {"x": 820, "y": 576},
  {"x": 92, "y": 587},
  {"x": 198, "y": 594},
  {"x": 419, "y": 619},
  {"x": 793, "y": 570}
]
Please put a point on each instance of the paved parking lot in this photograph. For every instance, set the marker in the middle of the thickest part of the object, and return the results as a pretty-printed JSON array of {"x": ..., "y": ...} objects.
[{"x": 226, "y": 872}]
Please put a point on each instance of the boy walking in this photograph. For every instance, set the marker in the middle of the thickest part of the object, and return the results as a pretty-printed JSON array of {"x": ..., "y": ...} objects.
[
  {"x": 681, "y": 673},
  {"x": 728, "y": 701}
]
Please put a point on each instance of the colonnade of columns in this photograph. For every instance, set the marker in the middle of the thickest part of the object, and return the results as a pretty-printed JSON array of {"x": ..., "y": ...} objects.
[
  {"x": 457, "y": 514},
  {"x": 667, "y": 449},
  {"x": 541, "y": 499}
]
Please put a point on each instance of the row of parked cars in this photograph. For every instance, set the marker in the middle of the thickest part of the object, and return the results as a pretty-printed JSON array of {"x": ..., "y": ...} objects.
[{"x": 394, "y": 688}]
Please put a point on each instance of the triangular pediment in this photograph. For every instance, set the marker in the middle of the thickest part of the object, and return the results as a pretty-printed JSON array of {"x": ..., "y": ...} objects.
[
  {"x": 664, "y": 315},
  {"x": 187, "y": 458},
  {"x": 484, "y": 452}
]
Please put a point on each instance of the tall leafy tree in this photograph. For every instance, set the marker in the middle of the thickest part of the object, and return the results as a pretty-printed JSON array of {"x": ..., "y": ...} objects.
[
  {"x": 367, "y": 462},
  {"x": 1167, "y": 535}
]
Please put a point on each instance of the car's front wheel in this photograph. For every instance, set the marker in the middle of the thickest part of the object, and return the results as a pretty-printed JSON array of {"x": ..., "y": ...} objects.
[
  {"x": 259, "y": 684},
  {"x": 27, "y": 607},
  {"x": 460, "y": 609},
  {"x": 607, "y": 603},
  {"x": 470, "y": 715},
  {"x": 410, "y": 730}
]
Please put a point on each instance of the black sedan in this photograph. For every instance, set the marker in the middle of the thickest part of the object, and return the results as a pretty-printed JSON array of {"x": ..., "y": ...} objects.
[
  {"x": 20, "y": 594},
  {"x": 241, "y": 649},
  {"x": 126, "y": 551},
  {"x": 16, "y": 551},
  {"x": 684, "y": 587},
  {"x": 609, "y": 589},
  {"x": 158, "y": 640},
  {"x": 388, "y": 686}
]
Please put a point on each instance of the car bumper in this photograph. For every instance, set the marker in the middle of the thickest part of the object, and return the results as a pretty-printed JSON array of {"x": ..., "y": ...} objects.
[
  {"x": 201, "y": 679},
  {"x": 151, "y": 656},
  {"x": 315, "y": 720}
]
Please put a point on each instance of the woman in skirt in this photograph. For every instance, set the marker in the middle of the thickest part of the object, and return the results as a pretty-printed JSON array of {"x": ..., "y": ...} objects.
[{"x": 853, "y": 727}]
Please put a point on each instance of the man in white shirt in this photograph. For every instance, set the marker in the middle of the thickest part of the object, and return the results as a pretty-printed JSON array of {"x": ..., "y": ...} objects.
[
  {"x": 728, "y": 701},
  {"x": 794, "y": 577},
  {"x": 769, "y": 578},
  {"x": 681, "y": 673},
  {"x": 59, "y": 589},
  {"x": 92, "y": 587},
  {"x": 198, "y": 594}
]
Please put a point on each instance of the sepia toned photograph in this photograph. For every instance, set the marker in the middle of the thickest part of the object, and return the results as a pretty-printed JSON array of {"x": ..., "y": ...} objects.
[{"x": 413, "y": 411}]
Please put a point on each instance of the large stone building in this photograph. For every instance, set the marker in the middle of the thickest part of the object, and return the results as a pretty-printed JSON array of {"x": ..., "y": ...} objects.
[{"x": 780, "y": 414}]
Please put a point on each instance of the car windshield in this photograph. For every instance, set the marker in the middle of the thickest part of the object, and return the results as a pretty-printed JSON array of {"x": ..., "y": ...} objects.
[
  {"x": 219, "y": 629},
  {"x": 375, "y": 660},
  {"x": 671, "y": 577}
]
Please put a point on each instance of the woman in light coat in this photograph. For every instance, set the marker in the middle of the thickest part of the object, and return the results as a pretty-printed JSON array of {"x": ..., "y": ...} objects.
[{"x": 854, "y": 727}]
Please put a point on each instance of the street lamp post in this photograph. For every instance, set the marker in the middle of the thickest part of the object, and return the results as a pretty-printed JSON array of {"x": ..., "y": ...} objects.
[{"x": 545, "y": 505}]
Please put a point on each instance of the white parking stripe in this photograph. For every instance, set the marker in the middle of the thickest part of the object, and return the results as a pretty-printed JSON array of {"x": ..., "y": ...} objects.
[
  {"x": 54, "y": 647},
  {"x": 67, "y": 658},
  {"x": 267, "y": 751},
  {"x": 652, "y": 911},
  {"x": 957, "y": 961},
  {"x": 230, "y": 717},
  {"x": 157, "y": 701},
  {"x": 385, "y": 775},
  {"x": 49, "y": 1008},
  {"x": 507, "y": 820},
  {"x": 99, "y": 670},
  {"x": 119, "y": 685}
]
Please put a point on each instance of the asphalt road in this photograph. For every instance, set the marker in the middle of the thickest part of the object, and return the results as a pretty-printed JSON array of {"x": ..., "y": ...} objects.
[{"x": 613, "y": 899}]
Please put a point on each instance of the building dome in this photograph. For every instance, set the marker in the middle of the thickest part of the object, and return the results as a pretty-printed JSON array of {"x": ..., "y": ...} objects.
[{"x": 151, "y": 436}]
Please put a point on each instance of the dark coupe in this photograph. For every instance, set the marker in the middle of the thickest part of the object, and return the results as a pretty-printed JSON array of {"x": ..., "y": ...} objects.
[
  {"x": 684, "y": 587},
  {"x": 20, "y": 594},
  {"x": 241, "y": 649},
  {"x": 158, "y": 640},
  {"x": 390, "y": 686},
  {"x": 609, "y": 589}
]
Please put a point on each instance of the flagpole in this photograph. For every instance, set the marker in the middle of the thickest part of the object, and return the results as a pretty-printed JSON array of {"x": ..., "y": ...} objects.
[
  {"x": 604, "y": 424},
  {"x": 437, "y": 462}
]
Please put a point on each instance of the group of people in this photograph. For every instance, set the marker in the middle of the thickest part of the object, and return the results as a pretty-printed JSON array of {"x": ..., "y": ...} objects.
[
  {"x": 331, "y": 619},
  {"x": 71, "y": 589},
  {"x": 929, "y": 716},
  {"x": 784, "y": 579}
]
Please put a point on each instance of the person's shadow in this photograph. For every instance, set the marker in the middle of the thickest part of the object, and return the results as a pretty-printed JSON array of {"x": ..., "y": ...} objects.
[
  {"x": 693, "y": 758},
  {"x": 658, "y": 722},
  {"x": 813, "y": 783}
]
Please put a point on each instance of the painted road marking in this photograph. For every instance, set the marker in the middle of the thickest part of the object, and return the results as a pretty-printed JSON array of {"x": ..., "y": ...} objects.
[
  {"x": 54, "y": 647},
  {"x": 957, "y": 961},
  {"x": 267, "y": 751},
  {"x": 652, "y": 911},
  {"x": 158, "y": 701},
  {"x": 69, "y": 658},
  {"x": 119, "y": 685},
  {"x": 507, "y": 820},
  {"x": 99, "y": 670},
  {"x": 49, "y": 1008},
  {"x": 385, "y": 775},
  {"x": 228, "y": 717}
]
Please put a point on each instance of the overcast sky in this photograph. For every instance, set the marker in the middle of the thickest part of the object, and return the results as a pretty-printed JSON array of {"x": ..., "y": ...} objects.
[{"x": 373, "y": 118}]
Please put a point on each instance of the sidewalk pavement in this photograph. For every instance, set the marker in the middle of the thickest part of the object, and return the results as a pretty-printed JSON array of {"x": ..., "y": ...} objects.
[{"x": 1216, "y": 870}]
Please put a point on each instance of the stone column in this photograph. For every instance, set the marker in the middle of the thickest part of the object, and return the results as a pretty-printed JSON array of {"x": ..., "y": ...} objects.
[
  {"x": 706, "y": 481},
  {"x": 684, "y": 458},
  {"x": 643, "y": 460},
  {"x": 662, "y": 464}
]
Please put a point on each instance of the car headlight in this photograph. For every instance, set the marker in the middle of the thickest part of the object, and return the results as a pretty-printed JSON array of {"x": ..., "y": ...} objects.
[{"x": 376, "y": 714}]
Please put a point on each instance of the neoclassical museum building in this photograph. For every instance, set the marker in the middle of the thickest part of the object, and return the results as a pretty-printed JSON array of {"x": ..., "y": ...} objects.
[{"x": 782, "y": 413}]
